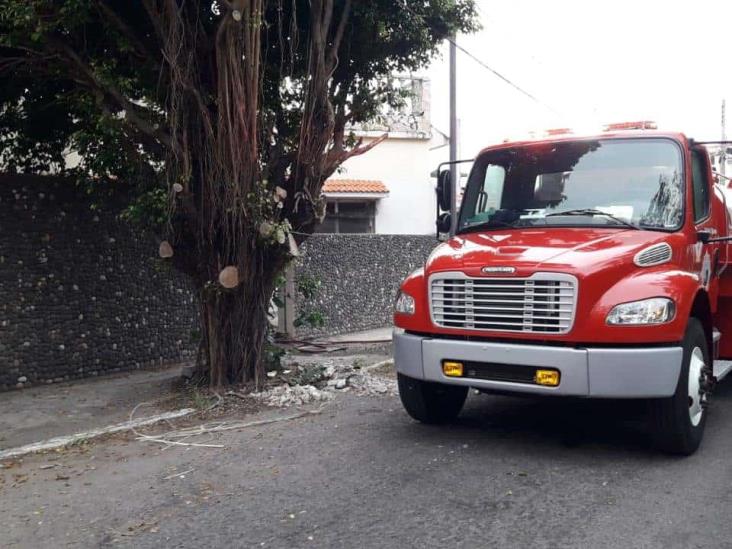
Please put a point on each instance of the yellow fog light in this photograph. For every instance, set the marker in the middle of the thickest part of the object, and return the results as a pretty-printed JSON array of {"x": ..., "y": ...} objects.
[
  {"x": 547, "y": 377},
  {"x": 452, "y": 369}
]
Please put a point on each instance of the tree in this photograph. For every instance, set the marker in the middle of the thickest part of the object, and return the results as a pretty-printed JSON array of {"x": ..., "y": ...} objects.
[{"x": 216, "y": 121}]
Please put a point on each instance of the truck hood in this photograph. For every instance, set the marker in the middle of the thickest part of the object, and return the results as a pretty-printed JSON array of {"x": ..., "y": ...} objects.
[{"x": 579, "y": 250}]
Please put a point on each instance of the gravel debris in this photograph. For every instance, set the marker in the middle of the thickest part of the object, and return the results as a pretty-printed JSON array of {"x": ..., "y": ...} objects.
[
  {"x": 317, "y": 378},
  {"x": 284, "y": 396}
]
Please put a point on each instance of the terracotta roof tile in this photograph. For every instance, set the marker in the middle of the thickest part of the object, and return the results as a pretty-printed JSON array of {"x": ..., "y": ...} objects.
[{"x": 354, "y": 186}]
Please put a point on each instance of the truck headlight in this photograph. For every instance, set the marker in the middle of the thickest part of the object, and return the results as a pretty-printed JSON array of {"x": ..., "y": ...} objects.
[
  {"x": 656, "y": 310},
  {"x": 404, "y": 304}
]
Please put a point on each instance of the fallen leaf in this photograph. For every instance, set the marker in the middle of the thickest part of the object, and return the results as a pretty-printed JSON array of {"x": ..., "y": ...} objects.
[{"x": 19, "y": 478}]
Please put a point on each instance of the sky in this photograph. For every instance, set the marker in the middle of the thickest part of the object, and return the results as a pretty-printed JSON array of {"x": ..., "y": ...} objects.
[{"x": 590, "y": 63}]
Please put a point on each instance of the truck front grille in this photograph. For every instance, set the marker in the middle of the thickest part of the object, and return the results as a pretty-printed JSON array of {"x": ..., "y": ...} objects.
[{"x": 543, "y": 303}]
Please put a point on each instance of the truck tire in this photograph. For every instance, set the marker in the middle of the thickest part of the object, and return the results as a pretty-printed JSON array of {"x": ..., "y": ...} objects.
[
  {"x": 678, "y": 421},
  {"x": 431, "y": 402}
]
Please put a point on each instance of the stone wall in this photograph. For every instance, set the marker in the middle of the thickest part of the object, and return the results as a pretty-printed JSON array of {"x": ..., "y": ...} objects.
[
  {"x": 81, "y": 294},
  {"x": 359, "y": 275}
]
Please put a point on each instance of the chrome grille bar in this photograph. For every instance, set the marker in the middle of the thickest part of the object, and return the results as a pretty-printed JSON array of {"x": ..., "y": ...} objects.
[{"x": 543, "y": 303}]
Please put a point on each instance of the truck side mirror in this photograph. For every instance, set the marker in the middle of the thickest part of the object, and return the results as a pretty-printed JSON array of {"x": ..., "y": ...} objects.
[
  {"x": 444, "y": 222},
  {"x": 444, "y": 190}
]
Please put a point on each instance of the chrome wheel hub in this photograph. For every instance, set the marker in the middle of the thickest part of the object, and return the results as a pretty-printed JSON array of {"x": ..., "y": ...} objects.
[{"x": 697, "y": 386}]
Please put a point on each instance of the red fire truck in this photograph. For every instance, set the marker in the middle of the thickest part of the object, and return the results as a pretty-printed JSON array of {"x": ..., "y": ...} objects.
[{"x": 582, "y": 267}]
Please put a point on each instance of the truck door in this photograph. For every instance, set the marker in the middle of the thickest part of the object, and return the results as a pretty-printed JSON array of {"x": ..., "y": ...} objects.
[
  {"x": 710, "y": 259},
  {"x": 706, "y": 256}
]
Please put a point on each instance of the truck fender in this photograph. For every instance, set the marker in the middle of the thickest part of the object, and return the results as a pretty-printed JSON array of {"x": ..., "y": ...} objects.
[
  {"x": 682, "y": 287},
  {"x": 701, "y": 310},
  {"x": 415, "y": 285}
]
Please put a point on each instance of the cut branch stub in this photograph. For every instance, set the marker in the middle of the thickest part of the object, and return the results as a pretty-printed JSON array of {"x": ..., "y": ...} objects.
[
  {"x": 281, "y": 193},
  {"x": 294, "y": 250},
  {"x": 265, "y": 229},
  {"x": 165, "y": 250},
  {"x": 280, "y": 236},
  {"x": 229, "y": 277},
  {"x": 177, "y": 187}
]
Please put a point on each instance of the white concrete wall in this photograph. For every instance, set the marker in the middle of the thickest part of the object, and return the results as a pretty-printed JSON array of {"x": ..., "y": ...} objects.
[{"x": 404, "y": 165}]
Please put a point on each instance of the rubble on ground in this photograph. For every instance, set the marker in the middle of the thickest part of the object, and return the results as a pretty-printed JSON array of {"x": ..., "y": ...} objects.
[
  {"x": 311, "y": 379},
  {"x": 296, "y": 395}
]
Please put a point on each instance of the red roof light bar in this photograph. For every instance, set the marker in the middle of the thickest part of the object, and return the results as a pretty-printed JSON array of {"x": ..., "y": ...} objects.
[
  {"x": 558, "y": 131},
  {"x": 639, "y": 125}
]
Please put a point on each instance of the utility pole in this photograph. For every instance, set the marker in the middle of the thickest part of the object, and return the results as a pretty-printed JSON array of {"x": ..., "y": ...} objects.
[
  {"x": 454, "y": 169},
  {"x": 723, "y": 152}
]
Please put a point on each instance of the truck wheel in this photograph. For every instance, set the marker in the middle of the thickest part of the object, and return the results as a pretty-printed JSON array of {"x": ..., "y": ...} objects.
[
  {"x": 431, "y": 402},
  {"x": 679, "y": 421}
]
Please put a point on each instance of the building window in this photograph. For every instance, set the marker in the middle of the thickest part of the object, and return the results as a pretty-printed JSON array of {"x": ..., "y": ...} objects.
[{"x": 348, "y": 217}]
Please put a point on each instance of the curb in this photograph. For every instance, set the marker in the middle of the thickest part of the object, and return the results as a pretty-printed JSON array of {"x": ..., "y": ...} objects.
[{"x": 60, "y": 442}]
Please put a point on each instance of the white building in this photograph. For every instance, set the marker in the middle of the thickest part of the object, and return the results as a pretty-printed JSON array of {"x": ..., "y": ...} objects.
[
  {"x": 389, "y": 190},
  {"x": 721, "y": 160}
]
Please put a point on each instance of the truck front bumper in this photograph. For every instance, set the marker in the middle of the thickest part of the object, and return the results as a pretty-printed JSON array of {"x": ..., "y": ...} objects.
[{"x": 597, "y": 372}]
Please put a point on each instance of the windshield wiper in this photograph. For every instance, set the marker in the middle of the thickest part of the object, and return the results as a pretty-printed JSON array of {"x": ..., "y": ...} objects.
[
  {"x": 592, "y": 212},
  {"x": 490, "y": 224}
]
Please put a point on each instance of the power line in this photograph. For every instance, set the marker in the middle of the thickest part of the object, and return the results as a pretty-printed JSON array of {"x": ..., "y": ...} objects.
[
  {"x": 504, "y": 78},
  {"x": 486, "y": 66}
]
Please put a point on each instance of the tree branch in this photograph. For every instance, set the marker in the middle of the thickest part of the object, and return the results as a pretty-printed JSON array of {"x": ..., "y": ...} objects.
[
  {"x": 358, "y": 150},
  {"x": 94, "y": 81},
  {"x": 338, "y": 38},
  {"x": 336, "y": 158},
  {"x": 154, "y": 16},
  {"x": 128, "y": 32}
]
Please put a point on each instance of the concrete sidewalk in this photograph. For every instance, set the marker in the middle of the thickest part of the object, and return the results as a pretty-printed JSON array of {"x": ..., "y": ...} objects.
[
  {"x": 38, "y": 413},
  {"x": 375, "y": 335}
]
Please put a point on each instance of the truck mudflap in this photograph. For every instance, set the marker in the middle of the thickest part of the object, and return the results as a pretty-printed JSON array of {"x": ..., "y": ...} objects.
[{"x": 595, "y": 372}]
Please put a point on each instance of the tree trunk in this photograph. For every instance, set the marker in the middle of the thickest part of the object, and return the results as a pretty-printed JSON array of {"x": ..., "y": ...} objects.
[
  {"x": 234, "y": 326},
  {"x": 227, "y": 214}
]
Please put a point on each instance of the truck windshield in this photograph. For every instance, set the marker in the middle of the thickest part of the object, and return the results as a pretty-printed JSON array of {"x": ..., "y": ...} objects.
[{"x": 611, "y": 183}]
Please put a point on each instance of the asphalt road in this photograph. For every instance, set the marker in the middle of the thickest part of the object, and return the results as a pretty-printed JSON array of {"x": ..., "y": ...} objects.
[{"x": 510, "y": 473}]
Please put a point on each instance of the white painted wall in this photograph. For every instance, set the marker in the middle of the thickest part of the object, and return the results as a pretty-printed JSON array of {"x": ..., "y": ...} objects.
[{"x": 404, "y": 166}]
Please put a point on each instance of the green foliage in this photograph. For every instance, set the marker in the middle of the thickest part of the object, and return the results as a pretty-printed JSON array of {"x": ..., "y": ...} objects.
[
  {"x": 307, "y": 375},
  {"x": 313, "y": 319},
  {"x": 50, "y": 107},
  {"x": 307, "y": 289},
  {"x": 199, "y": 399},
  {"x": 308, "y": 286},
  {"x": 308, "y": 313},
  {"x": 272, "y": 353},
  {"x": 79, "y": 75},
  {"x": 148, "y": 208}
]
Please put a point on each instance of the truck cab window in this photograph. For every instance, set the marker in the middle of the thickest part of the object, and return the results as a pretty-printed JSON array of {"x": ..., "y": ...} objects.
[
  {"x": 700, "y": 185},
  {"x": 490, "y": 193},
  {"x": 608, "y": 183}
]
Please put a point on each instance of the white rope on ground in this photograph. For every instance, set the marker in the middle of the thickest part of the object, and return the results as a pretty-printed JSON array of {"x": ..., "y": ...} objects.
[
  {"x": 169, "y": 477},
  {"x": 148, "y": 438},
  {"x": 161, "y": 440},
  {"x": 229, "y": 426}
]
